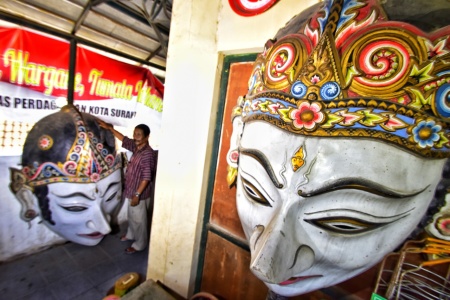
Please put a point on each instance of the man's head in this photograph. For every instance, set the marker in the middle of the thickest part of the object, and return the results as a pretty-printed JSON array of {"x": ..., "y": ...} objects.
[
  {"x": 145, "y": 129},
  {"x": 340, "y": 143},
  {"x": 141, "y": 135}
]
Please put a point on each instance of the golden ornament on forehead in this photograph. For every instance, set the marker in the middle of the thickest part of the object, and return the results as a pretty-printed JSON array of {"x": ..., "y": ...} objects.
[{"x": 297, "y": 159}]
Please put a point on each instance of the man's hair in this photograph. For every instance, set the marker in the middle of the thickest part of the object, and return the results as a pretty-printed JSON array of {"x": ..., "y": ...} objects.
[{"x": 144, "y": 128}]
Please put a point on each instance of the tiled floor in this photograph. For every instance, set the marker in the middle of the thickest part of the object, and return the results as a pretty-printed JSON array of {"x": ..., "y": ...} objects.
[{"x": 70, "y": 271}]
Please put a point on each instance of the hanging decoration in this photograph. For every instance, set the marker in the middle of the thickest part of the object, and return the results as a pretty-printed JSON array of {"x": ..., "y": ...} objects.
[{"x": 248, "y": 8}]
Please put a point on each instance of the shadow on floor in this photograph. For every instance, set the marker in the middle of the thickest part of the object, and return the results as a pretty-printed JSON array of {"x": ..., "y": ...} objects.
[{"x": 71, "y": 271}]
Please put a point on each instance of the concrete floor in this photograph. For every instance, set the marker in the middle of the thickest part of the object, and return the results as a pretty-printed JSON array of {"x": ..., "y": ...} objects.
[{"x": 71, "y": 271}]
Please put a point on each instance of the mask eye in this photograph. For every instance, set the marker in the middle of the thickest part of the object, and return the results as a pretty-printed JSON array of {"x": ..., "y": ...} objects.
[
  {"x": 345, "y": 225},
  {"x": 74, "y": 208},
  {"x": 254, "y": 194},
  {"x": 111, "y": 197}
]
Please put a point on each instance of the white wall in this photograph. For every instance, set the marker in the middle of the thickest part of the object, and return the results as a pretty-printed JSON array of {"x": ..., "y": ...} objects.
[{"x": 202, "y": 31}]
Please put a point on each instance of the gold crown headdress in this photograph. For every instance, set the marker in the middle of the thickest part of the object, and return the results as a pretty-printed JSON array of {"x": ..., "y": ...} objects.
[
  {"x": 67, "y": 146},
  {"x": 361, "y": 76}
]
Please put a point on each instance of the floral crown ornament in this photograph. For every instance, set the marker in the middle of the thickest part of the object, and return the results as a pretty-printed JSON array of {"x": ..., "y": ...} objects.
[
  {"x": 355, "y": 74},
  {"x": 361, "y": 76},
  {"x": 68, "y": 146}
]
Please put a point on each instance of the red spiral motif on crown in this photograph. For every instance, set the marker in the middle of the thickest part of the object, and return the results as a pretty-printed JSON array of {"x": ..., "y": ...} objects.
[
  {"x": 110, "y": 159},
  {"x": 280, "y": 63},
  {"x": 70, "y": 167},
  {"x": 383, "y": 63},
  {"x": 82, "y": 135},
  {"x": 77, "y": 149}
]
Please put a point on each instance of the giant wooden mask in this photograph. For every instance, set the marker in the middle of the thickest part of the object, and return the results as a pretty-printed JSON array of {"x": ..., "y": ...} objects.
[
  {"x": 70, "y": 170},
  {"x": 340, "y": 144}
]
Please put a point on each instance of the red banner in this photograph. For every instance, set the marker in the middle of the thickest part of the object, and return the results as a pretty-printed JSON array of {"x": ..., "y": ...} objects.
[{"x": 34, "y": 81}]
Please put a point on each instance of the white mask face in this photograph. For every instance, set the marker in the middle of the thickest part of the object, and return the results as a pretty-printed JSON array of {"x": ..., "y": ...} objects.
[
  {"x": 345, "y": 205},
  {"x": 81, "y": 212}
]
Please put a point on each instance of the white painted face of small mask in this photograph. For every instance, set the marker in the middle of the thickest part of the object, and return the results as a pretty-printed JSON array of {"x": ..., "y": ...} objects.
[
  {"x": 81, "y": 212},
  {"x": 318, "y": 211}
]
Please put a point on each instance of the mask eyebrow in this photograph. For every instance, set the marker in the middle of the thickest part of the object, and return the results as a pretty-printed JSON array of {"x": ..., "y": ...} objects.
[
  {"x": 74, "y": 195},
  {"x": 110, "y": 186},
  {"x": 262, "y": 159},
  {"x": 359, "y": 184}
]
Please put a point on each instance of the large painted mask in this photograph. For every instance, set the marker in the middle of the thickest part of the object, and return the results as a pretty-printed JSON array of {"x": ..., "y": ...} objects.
[
  {"x": 71, "y": 176},
  {"x": 339, "y": 147}
]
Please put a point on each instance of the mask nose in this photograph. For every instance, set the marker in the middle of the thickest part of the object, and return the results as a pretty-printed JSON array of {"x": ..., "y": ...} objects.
[
  {"x": 277, "y": 253},
  {"x": 100, "y": 223}
]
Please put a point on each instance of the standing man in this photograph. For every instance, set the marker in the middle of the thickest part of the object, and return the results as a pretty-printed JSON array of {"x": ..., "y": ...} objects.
[{"x": 137, "y": 186}]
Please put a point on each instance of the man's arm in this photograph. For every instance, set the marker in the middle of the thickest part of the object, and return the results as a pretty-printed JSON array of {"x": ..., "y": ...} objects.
[
  {"x": 142, "y": 185},
  {"x": 110, "y": 127}
]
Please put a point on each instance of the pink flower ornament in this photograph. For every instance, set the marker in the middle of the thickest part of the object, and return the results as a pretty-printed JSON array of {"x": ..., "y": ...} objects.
[{"x": 307, "y": 116}]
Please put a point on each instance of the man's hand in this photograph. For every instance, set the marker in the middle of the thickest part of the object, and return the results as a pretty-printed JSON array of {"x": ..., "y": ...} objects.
[
  {"x": 104, "y": 125},
  {"x": 134, "y": 201},
  {"x": 110, "y": 127}
]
